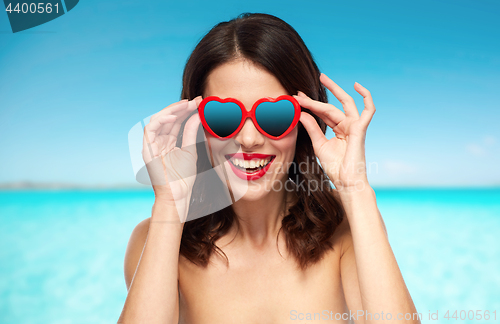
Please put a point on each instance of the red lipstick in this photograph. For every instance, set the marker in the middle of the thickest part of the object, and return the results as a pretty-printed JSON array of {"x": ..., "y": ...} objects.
[{"x": 249, "y": 175}]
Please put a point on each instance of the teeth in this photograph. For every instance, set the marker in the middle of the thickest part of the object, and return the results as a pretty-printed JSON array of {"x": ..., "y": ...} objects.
[{"x": 251, "y": 164}]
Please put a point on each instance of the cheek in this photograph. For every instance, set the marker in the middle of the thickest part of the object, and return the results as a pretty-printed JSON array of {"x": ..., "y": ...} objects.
[
  {"x": 215, "y": 144},
  {"x": 286, "y": 145}
]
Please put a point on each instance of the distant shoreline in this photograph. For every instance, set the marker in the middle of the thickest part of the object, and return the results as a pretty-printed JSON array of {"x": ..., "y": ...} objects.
[
  {"x": 20, "y": 186},
  {"x": 69, "y": 186}
]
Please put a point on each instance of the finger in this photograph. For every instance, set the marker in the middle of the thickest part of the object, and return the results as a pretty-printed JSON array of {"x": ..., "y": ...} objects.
[
  {"x": 191, "y": 106},
  {"x": 149, "y": 149},
  {"x": 328, "y": 112},
  {"x": 152, "y": 130},
  {"x": 171, "y": 109},
  {"x": 181, "y": 117},
  {"x": 345, "y": 99},
  {"x": 152, "y": 142},
  {"x": 198, "y": 100},
  {"x": 313, "y": 129},
  {"x": 369, "y": 111},
  {"x": 190, "y": 132}
]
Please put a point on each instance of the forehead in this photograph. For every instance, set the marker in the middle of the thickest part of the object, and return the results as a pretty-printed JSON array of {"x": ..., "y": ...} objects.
[{"x": 244, "y": 81}]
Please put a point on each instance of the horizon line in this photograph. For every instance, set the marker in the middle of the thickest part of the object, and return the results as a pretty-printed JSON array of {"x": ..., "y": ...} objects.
[{"x": 29, "y": 185}]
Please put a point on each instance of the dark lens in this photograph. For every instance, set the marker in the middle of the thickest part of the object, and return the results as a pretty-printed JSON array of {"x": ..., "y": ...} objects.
[
  {"x": 275, "y": 117},
  {"x": 222, "y": 118}
]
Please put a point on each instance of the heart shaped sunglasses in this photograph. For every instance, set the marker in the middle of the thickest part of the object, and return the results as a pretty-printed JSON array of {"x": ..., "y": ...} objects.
[{"x": 274, "y": 118}]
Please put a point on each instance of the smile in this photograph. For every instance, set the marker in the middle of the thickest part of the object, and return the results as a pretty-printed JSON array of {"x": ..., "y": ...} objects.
[{"x": 250, "y": 166}]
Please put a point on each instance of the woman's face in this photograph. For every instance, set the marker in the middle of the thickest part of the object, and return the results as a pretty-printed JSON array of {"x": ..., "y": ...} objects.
[{"x": 245, "y": 81}]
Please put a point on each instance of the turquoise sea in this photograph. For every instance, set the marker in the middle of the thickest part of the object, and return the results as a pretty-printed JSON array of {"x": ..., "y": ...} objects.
[{"x": 61, "y": 255}]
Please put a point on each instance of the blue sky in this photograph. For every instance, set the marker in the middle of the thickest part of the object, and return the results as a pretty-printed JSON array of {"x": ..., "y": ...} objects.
[{"x": 71, "y": 89}]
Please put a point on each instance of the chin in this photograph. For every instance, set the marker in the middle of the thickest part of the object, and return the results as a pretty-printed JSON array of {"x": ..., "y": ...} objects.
[
  {"x": 255, "y": 193},
  {"x": 248, "y": 190}
]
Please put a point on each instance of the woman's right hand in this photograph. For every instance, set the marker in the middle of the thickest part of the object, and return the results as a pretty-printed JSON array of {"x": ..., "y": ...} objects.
[{"x": 172, "y": 169}]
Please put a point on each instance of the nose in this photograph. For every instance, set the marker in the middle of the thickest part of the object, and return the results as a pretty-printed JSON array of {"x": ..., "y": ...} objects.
[{"x": 249, "y": 136}]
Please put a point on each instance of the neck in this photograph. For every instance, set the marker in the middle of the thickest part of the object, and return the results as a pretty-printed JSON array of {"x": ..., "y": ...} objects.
[{"x": 259, "y": 221}]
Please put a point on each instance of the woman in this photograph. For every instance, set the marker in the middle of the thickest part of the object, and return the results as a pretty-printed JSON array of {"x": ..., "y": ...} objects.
[{"x": 291, "y": 247}]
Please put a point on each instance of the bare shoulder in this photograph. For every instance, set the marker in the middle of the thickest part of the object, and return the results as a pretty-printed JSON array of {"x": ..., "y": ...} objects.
[
  {"x": 134, "y": 249},
  {"x": 342, "y": 237}
]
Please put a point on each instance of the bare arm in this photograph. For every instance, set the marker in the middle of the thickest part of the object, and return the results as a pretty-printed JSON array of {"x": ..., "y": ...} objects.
[
  {"x": 153, "y": 289},
  {"x": 152, "y": 258},
  {"x": 370, "y": 274}
]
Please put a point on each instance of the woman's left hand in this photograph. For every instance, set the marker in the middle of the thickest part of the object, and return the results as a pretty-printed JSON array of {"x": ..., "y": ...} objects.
[{"x": 343, "y": 156}]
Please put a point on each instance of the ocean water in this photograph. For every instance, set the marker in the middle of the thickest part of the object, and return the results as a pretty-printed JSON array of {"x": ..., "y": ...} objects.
[{"x": 61, "y": 255}]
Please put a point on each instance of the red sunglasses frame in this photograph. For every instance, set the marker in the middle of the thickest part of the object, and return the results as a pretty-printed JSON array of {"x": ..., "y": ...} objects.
[{"x": 250, "y": 114}]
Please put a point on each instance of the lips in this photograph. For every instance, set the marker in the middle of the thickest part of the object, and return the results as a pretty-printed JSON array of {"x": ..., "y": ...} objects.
[{"x": 250, "y": 166}]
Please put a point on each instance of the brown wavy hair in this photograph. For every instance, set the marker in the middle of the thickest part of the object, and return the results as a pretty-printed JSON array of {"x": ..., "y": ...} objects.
[{"x": 273, "y": 45}]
